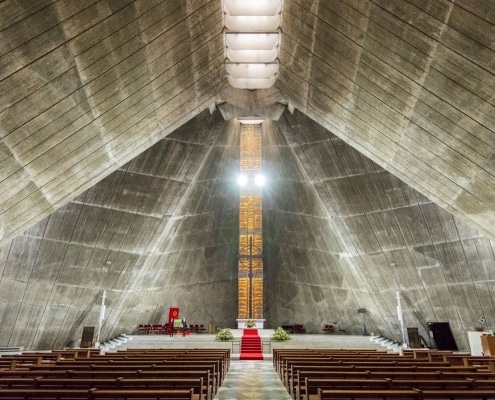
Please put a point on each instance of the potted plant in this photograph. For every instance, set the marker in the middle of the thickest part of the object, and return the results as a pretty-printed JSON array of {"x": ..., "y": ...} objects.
[
  {"x": 280, "y": 335},
  {"x": 224, "y": 335}
]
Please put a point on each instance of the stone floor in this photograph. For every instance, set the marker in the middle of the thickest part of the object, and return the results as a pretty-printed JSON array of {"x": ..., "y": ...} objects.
[{"x": 252, "y": 380}]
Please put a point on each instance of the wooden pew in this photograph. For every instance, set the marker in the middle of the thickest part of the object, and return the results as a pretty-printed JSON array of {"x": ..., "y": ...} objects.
[
  {"x": 279, "y": 354},
  {"x": 448, "y": 385},
  {"x": 437, "y": 384},
  {"x": 346, "y": 372},
  {"x": 211, "y": 379},
  {"x": 71, "y": 383},
  {"x": 208, "y": 388},
  {"x": 406, "y": 394},
  {"x": 97, "y": 394},
  {"x": 32, "y": 374},
  {"x": 428, "y": 370},
  {"x": 282, "y": 356},
  {"x": 369, "y": 394},
  {"x": 210, "y": 364},
  {"x": 293, "y": 378},
  {"x": 458, "y": 394},
  {"x": 192, "y": 354},
  {"x": 219, "y": 371},
  {"x": 476, "y": 375},
  {"x": 118, "y": 383},
  {"x": 200, "y": 391},
  {"x": 297, "y": 386},
  {"x": 484, "y": 384},
  {"x": 311, "y": 386},
  {"x": 27, "y": 359},
  {"x": 31, "y": 393},
  {"x": 151, "y": 374},
  {"x": 282, "y": 363},
  {"x": 369, "y": 364},
  {"x": 309, "y": 390},
  {"x": 16, "y": 382}
]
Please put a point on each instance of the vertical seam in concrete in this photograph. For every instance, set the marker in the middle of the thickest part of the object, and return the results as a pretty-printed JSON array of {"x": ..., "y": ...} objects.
[{"x": 420, "y": 84}]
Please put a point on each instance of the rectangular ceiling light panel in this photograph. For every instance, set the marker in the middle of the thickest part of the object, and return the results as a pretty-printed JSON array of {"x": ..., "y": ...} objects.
[
  {"x": 252, "y": 7},
  {"x": 252, "y": 41},
  {"x": 252, "y": 56},
  {"x": 251, "y": 83},
  {"x": 252, "y": 23},
  {"x": 258, "y": 71},
  {"x": 252, "y": 38}
]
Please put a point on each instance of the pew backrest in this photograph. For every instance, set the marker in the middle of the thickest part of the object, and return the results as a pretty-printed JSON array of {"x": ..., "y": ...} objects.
[{"x": 369, "y": 394}]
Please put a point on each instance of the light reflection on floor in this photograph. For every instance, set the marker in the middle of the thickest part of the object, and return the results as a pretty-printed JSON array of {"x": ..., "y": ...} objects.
[{"x": 252, "y": 380}]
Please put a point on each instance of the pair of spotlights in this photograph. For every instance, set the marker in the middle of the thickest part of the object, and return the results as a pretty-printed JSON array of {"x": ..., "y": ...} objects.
[{"x": 244, "y": 180}]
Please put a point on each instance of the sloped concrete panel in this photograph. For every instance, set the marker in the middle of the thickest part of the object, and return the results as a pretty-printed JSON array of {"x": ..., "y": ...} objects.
[
  {"x": 375, "y": 236},
  {"x": 89, "y": 86},
  {"x": 159, "y": 232},
  {"x": 408, "y": 85}
]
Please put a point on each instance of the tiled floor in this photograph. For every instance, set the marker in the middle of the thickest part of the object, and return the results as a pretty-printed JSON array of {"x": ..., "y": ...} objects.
[{"x": 252, "y": 380}]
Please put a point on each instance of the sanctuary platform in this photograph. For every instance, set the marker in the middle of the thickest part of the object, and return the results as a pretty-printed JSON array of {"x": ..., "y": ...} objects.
[{"x": 303, "y": 341}]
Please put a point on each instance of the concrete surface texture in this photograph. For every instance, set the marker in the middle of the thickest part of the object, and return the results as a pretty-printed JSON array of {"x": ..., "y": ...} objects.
[{"x": 119, "y": 152}]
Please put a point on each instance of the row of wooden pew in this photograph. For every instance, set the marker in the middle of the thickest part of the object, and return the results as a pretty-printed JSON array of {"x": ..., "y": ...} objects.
[
  {"x": 319, "y": 374},
  {"x": 130, "y": 374}
]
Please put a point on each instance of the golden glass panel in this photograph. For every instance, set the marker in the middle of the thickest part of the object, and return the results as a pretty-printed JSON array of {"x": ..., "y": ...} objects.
[
  {"x": 244, "y": 245},
  {"x": 243, "y": 295},
  {"x": 257, "y": 297},
  {"x": 250, "y": 159},
  {"x": 244, "y": 266}
]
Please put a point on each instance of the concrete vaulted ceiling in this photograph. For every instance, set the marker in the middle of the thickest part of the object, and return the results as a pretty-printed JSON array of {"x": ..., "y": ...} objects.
[{"x": 118, "y": 153}]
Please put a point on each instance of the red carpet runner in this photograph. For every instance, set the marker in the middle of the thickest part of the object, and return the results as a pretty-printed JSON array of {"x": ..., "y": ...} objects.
[{"x": 251, "y": 345}]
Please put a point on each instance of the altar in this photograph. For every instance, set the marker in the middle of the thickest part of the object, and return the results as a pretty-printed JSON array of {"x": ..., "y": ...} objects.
[{"x": 259, "y": 323}]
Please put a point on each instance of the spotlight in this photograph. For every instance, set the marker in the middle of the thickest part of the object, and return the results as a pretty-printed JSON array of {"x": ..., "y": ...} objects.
[
  {"x": 242, "y": 180},
  {"x": 482, "y": 319},
  {"x": 259, "y": 180}
]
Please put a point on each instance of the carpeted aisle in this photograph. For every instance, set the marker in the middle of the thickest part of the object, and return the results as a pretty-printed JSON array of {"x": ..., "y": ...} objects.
[{"x": 251, "y": 348}]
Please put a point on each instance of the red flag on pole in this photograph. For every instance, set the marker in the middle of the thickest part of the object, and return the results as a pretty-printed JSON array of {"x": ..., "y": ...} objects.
[{"x": 173, "y": 314}]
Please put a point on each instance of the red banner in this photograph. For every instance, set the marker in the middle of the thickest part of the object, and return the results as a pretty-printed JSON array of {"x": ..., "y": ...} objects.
[{"x": 173, "y": 314}]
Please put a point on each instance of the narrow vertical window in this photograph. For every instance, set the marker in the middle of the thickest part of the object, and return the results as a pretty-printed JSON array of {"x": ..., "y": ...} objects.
[{"x": 250, "y": 267}]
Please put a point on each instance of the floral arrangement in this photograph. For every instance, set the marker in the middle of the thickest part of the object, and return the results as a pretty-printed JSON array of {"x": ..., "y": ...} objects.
[
  {"x": 224, "y": 335},
  {"x": 250, "y": 323},
  {"x": 280, "y": 335}
]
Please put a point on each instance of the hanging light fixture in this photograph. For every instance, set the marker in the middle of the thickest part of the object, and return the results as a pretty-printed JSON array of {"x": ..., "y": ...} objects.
[{"x": 252, "y": 42}]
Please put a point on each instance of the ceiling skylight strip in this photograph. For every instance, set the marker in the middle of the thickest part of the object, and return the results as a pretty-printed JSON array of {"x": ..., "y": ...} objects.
[{"x": 252, "y": 41}]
